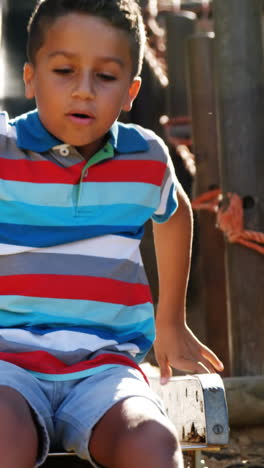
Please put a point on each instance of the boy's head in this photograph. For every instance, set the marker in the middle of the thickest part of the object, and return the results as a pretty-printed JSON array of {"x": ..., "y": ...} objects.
[
  {"x": 121, "y": 14},
  {"x": 84, "y": 59}
]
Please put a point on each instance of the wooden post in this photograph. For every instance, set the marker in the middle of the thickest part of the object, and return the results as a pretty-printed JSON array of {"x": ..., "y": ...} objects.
[
  {"x": 211, "y": 242},
  {"x": 179, "y": 26},
  {"x": 240, "y": 98}
]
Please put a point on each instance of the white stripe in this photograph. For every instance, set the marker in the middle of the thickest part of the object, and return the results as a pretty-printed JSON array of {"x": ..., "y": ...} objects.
[
  {"x": 164, "y": 197},
  {"x": 128, "y": 347},
  {"x": 9, "y": 249},
  {"x": 63, "y": 340},
  {"x": 12, "y": 133},
  {"x": 116, "y": 247}
]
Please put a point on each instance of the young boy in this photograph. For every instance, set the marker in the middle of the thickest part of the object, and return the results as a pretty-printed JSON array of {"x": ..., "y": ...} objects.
[{"x": 76, "y": 190}]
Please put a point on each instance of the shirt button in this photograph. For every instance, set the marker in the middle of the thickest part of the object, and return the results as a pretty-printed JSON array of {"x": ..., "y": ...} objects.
[
  {"x": 64, "y": 151},
  {"x": 85, "y": 173}
]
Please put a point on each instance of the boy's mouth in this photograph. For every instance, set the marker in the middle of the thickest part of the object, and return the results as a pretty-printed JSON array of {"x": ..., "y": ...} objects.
[{"x": 80, "y": 117}]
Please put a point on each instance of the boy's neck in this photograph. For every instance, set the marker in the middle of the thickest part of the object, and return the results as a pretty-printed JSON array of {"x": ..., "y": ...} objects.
[{"x": 88, "y": 151}]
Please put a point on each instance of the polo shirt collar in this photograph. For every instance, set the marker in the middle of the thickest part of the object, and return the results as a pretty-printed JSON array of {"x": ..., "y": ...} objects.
[
  {"x": 125, "y": 138},
  {"x": 32, "y": 135}
]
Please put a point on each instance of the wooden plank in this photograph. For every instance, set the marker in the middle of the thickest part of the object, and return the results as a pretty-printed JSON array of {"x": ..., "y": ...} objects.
[{"x": 197, "y": 407}]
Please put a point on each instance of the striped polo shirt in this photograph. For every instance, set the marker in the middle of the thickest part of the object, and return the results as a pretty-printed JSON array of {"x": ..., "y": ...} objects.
[{"x": 74, "y": 297}]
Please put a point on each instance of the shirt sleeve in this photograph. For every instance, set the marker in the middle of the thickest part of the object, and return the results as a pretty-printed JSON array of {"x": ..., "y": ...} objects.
[
  {"x": 168, "y": 191},
  {"x": 3, "y": 123}
]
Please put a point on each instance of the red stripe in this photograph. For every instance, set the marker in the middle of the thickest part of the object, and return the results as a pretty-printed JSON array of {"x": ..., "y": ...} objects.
[
  {"x": 44, "y": 362},
  {"x": 151, "y": 172},
  {"x": 23, "y": 170},
  {"x": 75, "y": 287}
]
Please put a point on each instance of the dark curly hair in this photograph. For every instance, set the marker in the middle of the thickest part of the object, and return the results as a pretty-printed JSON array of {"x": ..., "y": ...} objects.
[{"x": 121, "y": 14}]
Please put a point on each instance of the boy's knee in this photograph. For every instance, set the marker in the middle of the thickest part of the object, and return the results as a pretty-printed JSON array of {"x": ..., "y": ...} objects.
[
  {"x": 18, "y": 433},
  {"x": 15, "y": 413},
  {"x": 135, "y": 433},
  {"x": 152, "y": 436},
  {"x": 152, "y": 443}
]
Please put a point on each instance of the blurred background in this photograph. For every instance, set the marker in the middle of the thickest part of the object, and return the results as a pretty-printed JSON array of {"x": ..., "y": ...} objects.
[{"x": 203, "y": 93}]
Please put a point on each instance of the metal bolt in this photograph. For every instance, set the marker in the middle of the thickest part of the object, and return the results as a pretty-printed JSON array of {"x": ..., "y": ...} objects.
[
  {"x": 218, "y": 429},
  {"x": 213, "y": 389}
]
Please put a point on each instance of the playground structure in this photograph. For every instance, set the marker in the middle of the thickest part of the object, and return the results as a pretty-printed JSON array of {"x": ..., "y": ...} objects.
[{"x": 203, "y": 92}]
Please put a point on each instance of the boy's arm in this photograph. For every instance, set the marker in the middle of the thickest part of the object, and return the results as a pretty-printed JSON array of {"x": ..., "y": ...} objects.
[{"x": 175, "y": 343}]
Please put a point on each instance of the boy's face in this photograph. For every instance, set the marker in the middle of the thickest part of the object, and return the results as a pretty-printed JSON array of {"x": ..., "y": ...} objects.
[{"x": 81, "y": 80}]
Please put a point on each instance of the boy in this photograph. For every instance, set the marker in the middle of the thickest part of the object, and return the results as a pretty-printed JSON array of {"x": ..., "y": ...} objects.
[{"x": 75, "y": 308}]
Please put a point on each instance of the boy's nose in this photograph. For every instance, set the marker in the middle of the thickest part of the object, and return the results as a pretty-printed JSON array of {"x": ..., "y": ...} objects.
[{"x": 84, "y": 88}]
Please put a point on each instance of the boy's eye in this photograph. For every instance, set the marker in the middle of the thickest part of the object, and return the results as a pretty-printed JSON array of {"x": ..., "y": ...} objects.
[
  {"x": 62, "y": 71},
  {"x": 106, "y": 77}
]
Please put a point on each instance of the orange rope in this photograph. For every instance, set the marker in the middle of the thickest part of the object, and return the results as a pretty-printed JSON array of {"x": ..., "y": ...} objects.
[
  {"x": 207, "y": 201},
  {"x": 230, "y": 219}
]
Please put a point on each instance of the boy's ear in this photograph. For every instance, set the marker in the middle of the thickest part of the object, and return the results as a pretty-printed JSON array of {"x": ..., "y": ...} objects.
[
  {"x": 132, "y": 93},
  {"x": 28, "y": 76}
]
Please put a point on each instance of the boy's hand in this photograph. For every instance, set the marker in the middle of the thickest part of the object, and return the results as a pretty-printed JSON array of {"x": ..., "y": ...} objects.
[{"x": 178, "y": 347}]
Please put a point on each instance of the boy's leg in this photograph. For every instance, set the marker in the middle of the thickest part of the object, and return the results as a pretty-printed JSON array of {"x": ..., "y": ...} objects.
[
  {"x": 135, "y": 434},
  {"x": 18, "y": 432},
  {"x": 113, "y": 419},
  {"x": 26, "y": 425}
]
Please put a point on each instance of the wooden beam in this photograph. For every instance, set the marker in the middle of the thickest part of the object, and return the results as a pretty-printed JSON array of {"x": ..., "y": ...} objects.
[
  {"x": 240, "y": 99},
  {"x": 200, "y": 52},
  {"x": 245, "y": 400}
]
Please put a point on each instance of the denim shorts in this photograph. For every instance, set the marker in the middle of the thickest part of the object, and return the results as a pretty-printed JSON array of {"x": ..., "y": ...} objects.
[{"x": 67, "y": 411}]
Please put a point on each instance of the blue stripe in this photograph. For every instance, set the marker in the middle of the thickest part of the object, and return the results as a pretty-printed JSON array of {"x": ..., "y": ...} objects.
[
  {"x": 115, "y": 214},
  {"x": 73, "y": 313},
  {"x": 23, "y": 214},
  {"x": 63, "y": 195},
  {"x": 39, "y": 194},
  {"x": 74, "y": 375},
  {"x": 120, "y": 337},
  {"x": 45, "y": 236},
  {"x": 114, "y": 193},
  {"x": 143, "y": 333}
]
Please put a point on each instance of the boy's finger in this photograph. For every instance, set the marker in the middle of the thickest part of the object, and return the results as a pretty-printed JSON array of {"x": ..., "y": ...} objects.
[
  {"x": 165, "y": 371},
  {"x": 194, "y": 367},
  {"x": 213, "y": 359}
]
